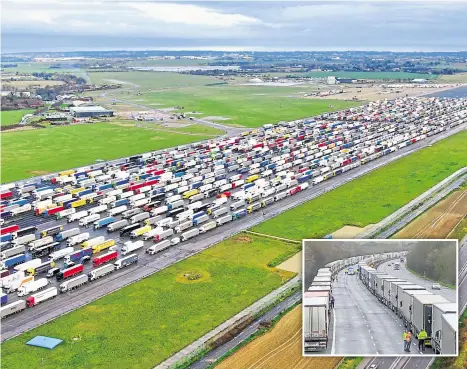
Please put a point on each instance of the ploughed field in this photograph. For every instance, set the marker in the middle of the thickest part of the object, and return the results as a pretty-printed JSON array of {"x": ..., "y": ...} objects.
[
  {"x": 369, "y": 199},
  {"x": 281, "y": 347},
  {"x": 440, "y": 220}
]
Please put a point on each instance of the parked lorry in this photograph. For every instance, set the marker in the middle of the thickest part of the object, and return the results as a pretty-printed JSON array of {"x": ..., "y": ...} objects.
[
  {"x": 183, "y": 226},
  {"x": 117, "y": 210},
  {"x": 163, "y": 235},
  {"x": 62, "y": 236},
  {"x": 190, "y": 234},
  {"x": 126, "y": 261},
  {"x": 32, "y": 287},
  {"x": 224, "y": 219},
  {"x": 130, "y": 246},
  {"x": 102, "y": 246},
  {"x": 117, "y": 225},
  {"x": 207, "y": 227},
  {"x": 200, "y": 219},
  {"x": 406, "y": 303},
  {"x": 60, "y": 254},
  {"x": 140, "y": 231},
  {"x": 77, "y": 215},
  {"x": 78, "y": 255},
  {"x": 316, "y": 323},
  {"x": 4, "y": 299},
  {"x": 73, "y": 283},
  {"x": 79, "y": 238},
  {"x": 44, "y": 267},
  {"x": 422, "y": 311},
  {"x": 69, "y": 272},
  {"x": 93, "y": 241},
  {"x": 437, "y": 325},
  {"x": 13, "y": 251},
  {"x": 100, "y": 272},
  {"x": 449, "y": 339},
  {"x": 42, "y": 296},
  {"x": 29, "y": 264},
  {"x": 13, "y": 308},
  {"x": 103, "y": 222},
  {"x": 84, "y": 222},
  {"x": 105, "y": 258},
  {"x": 14, "y": 281},
  {"x": 24, "y": 240},
  {"x": 158, "y": 247},
  {"x": 139, "y": 217}
]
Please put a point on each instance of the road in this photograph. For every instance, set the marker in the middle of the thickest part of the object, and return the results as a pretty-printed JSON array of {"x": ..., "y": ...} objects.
[
  {"x": 403, "y": 273},
  {"x": 462, "y": 281},
  {"x": 416, "y": 362},
  {"x": 215, "y": 354},
  {"x": 148, "y": 265},
  {"x": 362, "y": 325}
]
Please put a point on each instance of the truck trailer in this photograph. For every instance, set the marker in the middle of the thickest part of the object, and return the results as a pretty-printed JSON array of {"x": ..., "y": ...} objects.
[
  {"x": 316, "y": 323},
  {"x": 437, "y": 325},
  {"x": 73, "y": 283}
]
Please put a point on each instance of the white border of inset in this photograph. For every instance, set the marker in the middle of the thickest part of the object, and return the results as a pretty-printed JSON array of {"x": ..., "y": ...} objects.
[{"x": 318, "y": 354}]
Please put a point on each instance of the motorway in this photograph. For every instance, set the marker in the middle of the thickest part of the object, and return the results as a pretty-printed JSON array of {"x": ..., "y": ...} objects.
[
  {"x": 361, "y": 324},
  {"x": 148, "y": 265},
  {"x": 218, "y": 352},
  {"x": 462, "y": 279},
  {"x": 403, "y": 273},
  {"x": 414, "y": 362}
]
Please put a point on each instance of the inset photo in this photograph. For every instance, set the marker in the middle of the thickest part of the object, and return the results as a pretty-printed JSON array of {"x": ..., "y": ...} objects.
[{"x": 380, "y": 297}]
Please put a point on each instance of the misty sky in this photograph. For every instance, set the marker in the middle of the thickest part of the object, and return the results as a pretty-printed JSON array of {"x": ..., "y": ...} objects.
[{"x": 64, "y": 25}]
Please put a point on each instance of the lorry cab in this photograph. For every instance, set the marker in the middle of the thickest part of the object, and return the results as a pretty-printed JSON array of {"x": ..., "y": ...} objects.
[{"x": 52, "y": 272}]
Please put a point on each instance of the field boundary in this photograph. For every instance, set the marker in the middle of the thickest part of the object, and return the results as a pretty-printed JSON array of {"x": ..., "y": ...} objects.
[
  {"x": 273, "y": 237},
  {"x": 203, "y": 343}
]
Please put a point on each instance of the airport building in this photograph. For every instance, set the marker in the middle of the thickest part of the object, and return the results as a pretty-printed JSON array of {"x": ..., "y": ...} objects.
[{"x": 90, "y": 111}]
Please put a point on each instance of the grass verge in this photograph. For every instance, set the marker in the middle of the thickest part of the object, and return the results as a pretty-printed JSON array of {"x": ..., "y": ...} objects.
[
  {"x": 146, "y": 322},
  {"x": 350, "y": 363},
  {"x": 375, "y": 195}
]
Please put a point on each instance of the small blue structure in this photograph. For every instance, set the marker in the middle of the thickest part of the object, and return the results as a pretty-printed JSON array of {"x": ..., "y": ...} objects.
[{"x": 45, "y": 342}]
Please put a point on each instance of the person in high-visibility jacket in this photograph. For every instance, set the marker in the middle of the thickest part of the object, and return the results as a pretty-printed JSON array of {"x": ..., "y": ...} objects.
[
  {"x": 404, "y": 338},
  {"x": 422, "y": 336}
]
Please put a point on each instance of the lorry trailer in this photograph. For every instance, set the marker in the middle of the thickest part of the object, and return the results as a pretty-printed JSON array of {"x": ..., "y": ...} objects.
[
  {"x": 69, "y": 272},
  {"x": 42, "y": 296},
  {"x": 437, "y": 325},
  {"x": 126, "y": 261},
  {"x": 73, "y": 283},
  {"x": 100, "y": 272},
  {"x": 109, "y": 256},
  {"x": 13, "y": 308},
  {"x": 130, "y": 246},
  {"x": 33, "y": 286},
  {"x": 315, "y": 323}
]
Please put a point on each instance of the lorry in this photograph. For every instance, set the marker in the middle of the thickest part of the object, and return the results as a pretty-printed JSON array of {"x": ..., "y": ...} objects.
[
  {"x": 15, "y": 281},
  {"x": 77, "y": 215},
  {"x": 51, "y": 231},
  {"x": 42, "y": 296},
  {"x": 150, "y": 234},
  {"x": 103, "y": 222},
  {"x": 117, "y": 210},
  {"x": 422, "y": 313},
  {"x": 139, "y": 217},
  {"x": 387, "y": 290},
  {"x": 109, "y": 256},
  {"x": 93, "y": 241},
  {"x": 163, "y": 235},
  {"x": 12, "y": 252},
  {"x": 140, "y": 231},
  {"x": 100, "y": 272},
  {"x": 60, "y": 254},
  {"x": 315, "y": 323},
  {"x": 190, "y": 234},
  {"x": 62, "y": 236},
  {"x": 437, "y": 325},
  {"x": 13, "y": 308},
  {"x": 183, "y": 226},
  {"x": 29, "y": 264},
  {"x": 153, "y": 220},
  {"x": 32, "y": 287},
  {"x": 158, "y": 247},
  {"x": 84, "y": 222},
  {"x": 4, "y": 299},
  {"x": 406, "y": 303},
  {"x": 44, "y": 267},
  {"x": 102, "y": 246},
  {"x": 131, "y": 246},
  {"x": 207, "y": 227},
  {"x": 78, "y": 255},
  {"x": 224, "y": 219},
  {"x": 24, "y": 240},
  {"x": 201, "y": 219},
  {"x": 79, "y": 238},
  {"x": 117, "y": 225},
  {"x": 73, "y": 283},
  {"x": 41, "y": 242},
  {"x": 449, "y": 338},
  {"x": 126, "y": 261},
  {"x": 69, "y": 272}
]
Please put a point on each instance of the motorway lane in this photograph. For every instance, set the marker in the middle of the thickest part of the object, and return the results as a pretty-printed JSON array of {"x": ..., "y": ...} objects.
[
  {"x": 363, "y": 326},
  {"x": 403, "y": 273},
  {"x": 401, "y": 362},
  {"x": 215, "y": 354},
  {"x": 32, "y": 317},
  {"x": 462, "y": 275}
]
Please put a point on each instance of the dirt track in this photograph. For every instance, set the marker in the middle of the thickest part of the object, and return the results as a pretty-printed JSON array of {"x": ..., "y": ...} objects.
[
  {"x": 438, "y": 221},
  {"x": 278, "y": 349}
]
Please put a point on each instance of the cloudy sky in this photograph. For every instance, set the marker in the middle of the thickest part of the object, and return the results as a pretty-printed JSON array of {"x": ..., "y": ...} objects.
[{"x": 64, "y": 25}]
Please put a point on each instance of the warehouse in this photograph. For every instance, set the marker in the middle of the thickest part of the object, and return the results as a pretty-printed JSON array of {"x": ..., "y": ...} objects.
[{"x": 90, "y": 111}]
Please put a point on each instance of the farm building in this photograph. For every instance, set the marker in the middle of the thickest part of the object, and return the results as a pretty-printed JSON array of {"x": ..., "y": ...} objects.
[{"x": 90, "y": 111}]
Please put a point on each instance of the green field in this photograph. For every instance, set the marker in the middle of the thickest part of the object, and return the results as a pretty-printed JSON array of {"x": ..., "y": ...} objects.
[
  {"x": 165, "y": 62},
  {"x": 10, "y": 117},
  {"x": 32, "y": 67},
  {"x": 455, "y": 78},
  {"x": 35, "y": 152},
  {"x": 369, "y": 75},
  {"x": 369, "y": 199},
  {"x": 144, "y": 323},
  {"x": 248, "y": 106}
]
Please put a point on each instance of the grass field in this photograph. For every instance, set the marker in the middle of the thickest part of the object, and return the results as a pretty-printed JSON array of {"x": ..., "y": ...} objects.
[
  {"x": 167, "y": 311},
  {"x": 10, "y": 117},
  {"x": 192, "y": 129},
  {"x": 30, "y": 153},
  {"x": 370, "y": 75},
  {"x": 31, "y": 67},
  {"x": 375, "y": 195},
  {"x": 165, "y": 62},
  {"x": 455, "y": 78},
  {"x": 249, "y": 106}
]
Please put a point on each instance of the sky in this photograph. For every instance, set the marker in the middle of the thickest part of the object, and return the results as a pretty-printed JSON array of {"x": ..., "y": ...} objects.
[{"x": 64, "y": 25}]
